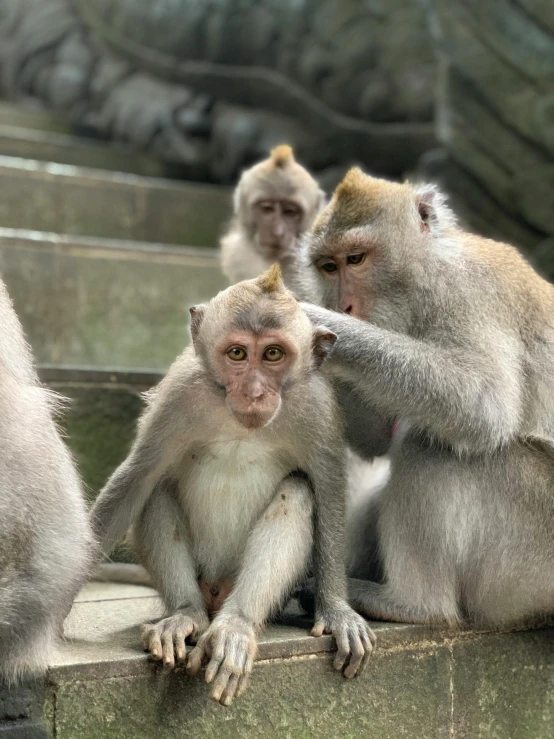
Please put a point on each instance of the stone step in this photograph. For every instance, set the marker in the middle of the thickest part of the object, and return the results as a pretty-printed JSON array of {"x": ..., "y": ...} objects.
[
  {"x": 100, "y": 302},
  {"x": 63, "y": 148},
  {"x": 60, "y": 198},
  {"x": 421, "y": 682},
  {"x": 30, "y": 116},
  {"x": 100, "y": 423}
]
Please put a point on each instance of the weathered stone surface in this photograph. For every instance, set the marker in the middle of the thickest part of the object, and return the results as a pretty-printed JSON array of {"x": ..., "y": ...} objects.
[
  {"x": 72, "y": 200},
  {"x": 29, "y": 116},
  {"x": 504, "y": 686},
  {"x": 495, "y": 118},
  {"x": 355, "y": 75},
  {"x": 92, "y": 302},
  {"x": 421, "y": 682},
  {"x": 81, "y": 152}
]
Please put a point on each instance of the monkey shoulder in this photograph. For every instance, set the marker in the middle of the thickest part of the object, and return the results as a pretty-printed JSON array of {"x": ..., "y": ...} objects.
[{"x": 184, "y": 385}]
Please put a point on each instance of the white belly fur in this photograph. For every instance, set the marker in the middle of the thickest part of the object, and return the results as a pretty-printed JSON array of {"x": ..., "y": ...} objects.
[{"x": 225, "y": 489}]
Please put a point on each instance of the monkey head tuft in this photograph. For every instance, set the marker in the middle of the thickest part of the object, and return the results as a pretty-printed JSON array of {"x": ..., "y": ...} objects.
[
  {"x": 352, "y": 183},
  {"x": 271, "y": 281},
  {"x": 282, "y": 155}
]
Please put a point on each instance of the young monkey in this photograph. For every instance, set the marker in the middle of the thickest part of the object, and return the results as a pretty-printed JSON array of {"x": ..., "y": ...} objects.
[
  {"x": 275, "y": 202},
  {"x": 236, "y": 483}
]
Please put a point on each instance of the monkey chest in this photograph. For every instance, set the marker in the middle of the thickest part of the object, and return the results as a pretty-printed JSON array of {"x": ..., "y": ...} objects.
[{"x": 225, "y": 489}]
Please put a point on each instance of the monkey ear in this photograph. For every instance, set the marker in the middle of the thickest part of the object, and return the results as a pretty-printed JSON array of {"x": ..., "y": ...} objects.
[
  {"x": 196, "y": 317},
  {"x": 323, "y": 341},
  {"x": 434, "y": 214}
]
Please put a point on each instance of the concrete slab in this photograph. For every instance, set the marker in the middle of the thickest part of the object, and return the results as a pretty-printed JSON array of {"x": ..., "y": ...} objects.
[
  {"x": 421, "y": 683},
  {"x": 100, "y": 302},
  {"x": 66, "y": 199},
  {"x": 49, "y": 146}
]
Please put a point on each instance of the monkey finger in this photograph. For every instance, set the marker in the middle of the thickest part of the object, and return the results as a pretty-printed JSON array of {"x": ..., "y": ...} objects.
[
  {"x": 168, "y": 649},
  {"x": 318, "y": 628},
  {"x": 220, "y": 684},
  {"x": 368, "y": 651},
  {"x": 145, "y": 636},
  {"x": 195, "y": 659},
  {"x": 371, "y": 636},
  {"x": 357, "y": 653},
  {"x": 243, "y": 684},
  {"x": 343, "y": 649},
  {"x": 231, "y": 690},
  {"x": 155, "y": 645},
  {"x": 179, "y": 647},
  {"x": 217, "y": 656}
]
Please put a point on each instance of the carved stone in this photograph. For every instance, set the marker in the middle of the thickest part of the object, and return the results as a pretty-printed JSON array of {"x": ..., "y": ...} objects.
[
  {"x": 495, "y": 118},
  {"x": 210, "y": 86}
]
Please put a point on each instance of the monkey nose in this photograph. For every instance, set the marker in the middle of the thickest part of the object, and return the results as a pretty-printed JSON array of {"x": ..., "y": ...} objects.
[{"x": 348, "y": 309}]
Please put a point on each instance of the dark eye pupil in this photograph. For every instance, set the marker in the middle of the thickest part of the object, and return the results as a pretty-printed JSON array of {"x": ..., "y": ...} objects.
[
  {"x": 355, "y": 258},
  {"x": 330, "y": 267}
]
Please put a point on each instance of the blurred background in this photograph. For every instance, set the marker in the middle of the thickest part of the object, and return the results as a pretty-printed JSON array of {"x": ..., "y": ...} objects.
[{"x": 124, "y": 125}]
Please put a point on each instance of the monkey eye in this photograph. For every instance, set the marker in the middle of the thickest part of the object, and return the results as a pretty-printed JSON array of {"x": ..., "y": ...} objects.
[
  {"x": 291, "y": 212},
  {"x": 237, "y": 353},
  {"x": 355, "y": 259},
  {"x": 267, "y": 207},
  {"x": 329, "y": 267},
  {"x": 273, "y": 354}
]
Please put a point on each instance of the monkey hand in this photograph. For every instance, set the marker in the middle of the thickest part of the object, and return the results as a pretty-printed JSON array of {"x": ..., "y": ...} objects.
[
  {"x": 355, "y": 640},
  {"x": 230, "y": 646},
  {"x": 323, "y": 317},
  {"x": 166, "y": 639}
]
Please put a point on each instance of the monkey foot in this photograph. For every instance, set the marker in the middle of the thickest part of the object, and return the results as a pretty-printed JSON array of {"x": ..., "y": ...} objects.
[
  {"x": 355, "y": 640},
  {"x": 165, "y": 640},
  {"x": 230, "y": 646}
]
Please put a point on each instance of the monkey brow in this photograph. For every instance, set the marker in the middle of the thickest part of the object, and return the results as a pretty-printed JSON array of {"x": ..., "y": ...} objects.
[{"x": 256, "y": 321}]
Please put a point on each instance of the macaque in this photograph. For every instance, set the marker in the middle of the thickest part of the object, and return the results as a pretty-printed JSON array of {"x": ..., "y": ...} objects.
[
  {"x": 275, "y": 202},
  {"x": 45, "y": 538},
  {"x": 451, "y": 335},
  {"x": 236, "y": 485}
]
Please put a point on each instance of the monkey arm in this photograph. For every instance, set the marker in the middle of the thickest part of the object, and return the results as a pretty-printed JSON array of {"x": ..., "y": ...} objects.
[
  {"x": 326, "y": 470},
  {"x": 466, "y": 394},
  {"x": 275, "y": 558},
  {"x": 161, "y": 439}
]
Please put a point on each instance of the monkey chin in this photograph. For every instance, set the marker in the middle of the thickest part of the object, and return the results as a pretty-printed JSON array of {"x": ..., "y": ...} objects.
[
  {"x": 275, "y": 252},
  {"x": 255, "y": 419}
]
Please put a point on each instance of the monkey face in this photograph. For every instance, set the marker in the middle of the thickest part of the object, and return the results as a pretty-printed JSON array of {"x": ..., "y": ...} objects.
[
  {"x": 253, "y": 368},
  {"x": 346, "y": 273},
  {"x": 278, "y": 223}
]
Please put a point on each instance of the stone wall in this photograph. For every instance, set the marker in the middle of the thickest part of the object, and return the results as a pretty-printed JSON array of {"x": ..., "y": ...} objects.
[
  {"x": 495, "y": 118},
  {"x": 209, "y": 87}
]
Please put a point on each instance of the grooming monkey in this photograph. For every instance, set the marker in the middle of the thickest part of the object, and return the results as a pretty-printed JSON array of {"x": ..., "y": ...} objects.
[
  {"x": 275, "y": 202},
  {"x": 235, "y": 482},
  {"x": 452, "y": 335},
  {"x": 45, "y": 538}
]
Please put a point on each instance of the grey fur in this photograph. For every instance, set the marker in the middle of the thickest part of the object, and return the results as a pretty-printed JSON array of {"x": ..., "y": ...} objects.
[
  {"x": 45, "y": 539},
  {"x": 210, "y": 498},
  {"x": 460, "y": 347}
]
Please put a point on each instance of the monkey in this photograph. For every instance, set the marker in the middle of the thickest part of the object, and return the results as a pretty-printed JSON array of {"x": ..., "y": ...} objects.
[
  {"x": 275, "y": 202},
  {"x": 46, "y": 542},
  {"x": 236, "y": 482},
  {"x": 451, "y": 335}
]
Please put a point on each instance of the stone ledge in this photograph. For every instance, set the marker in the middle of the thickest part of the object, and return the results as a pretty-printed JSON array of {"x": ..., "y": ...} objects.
[
  {"x": 421, "y": 683},
  {"x": 76, "y": 200}
]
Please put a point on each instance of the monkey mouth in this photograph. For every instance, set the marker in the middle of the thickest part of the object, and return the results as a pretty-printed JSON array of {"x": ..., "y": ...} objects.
[
  {"x": 273, "y": 251},
  {"x": 254, "y": 419}
]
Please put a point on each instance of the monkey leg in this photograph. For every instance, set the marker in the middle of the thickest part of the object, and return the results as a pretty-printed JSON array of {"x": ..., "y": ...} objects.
[
  {"x": 275, "y": 558},
  {"x": 162, "y": 542}
]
